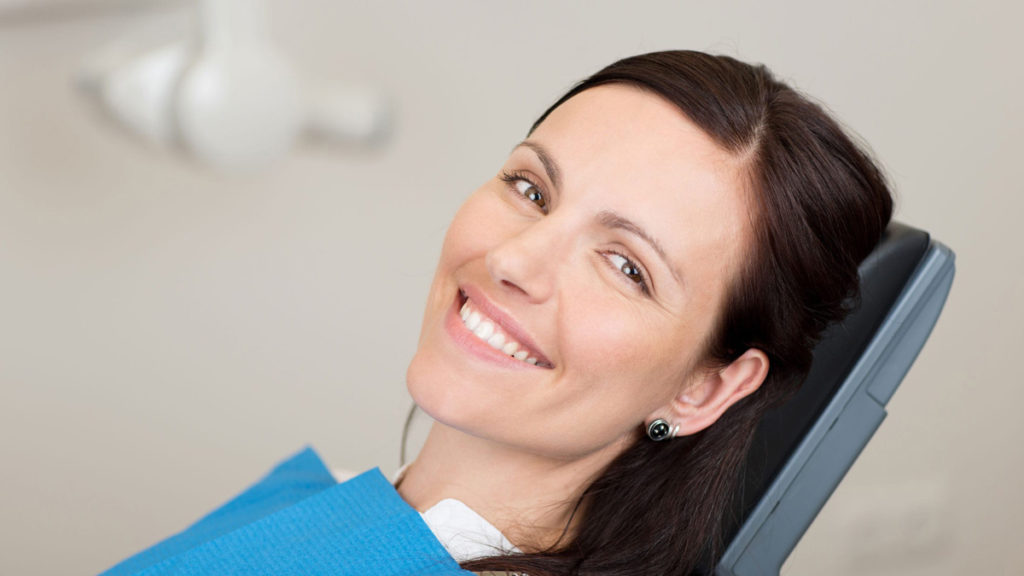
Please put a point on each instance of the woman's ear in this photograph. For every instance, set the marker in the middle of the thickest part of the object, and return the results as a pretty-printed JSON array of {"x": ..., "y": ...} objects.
[{"x": 704, "y": 400}]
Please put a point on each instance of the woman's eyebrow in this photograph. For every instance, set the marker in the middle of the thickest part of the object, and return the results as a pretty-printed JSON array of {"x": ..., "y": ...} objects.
[
  {"x": 610, "y": 219},
  {"x": 550, "y": 166}
]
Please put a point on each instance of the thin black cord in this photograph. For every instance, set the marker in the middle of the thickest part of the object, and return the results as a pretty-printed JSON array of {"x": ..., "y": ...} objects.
[{"x": 405, "y": 434}]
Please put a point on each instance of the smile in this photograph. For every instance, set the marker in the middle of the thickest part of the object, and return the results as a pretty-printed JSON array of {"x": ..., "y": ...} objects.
[{"x": 489, "y": 331}]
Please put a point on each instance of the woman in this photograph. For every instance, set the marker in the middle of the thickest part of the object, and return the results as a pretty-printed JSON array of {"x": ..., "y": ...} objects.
[
  {"x": 610, "y": 317},
  {"x": 615, "y": 310}
]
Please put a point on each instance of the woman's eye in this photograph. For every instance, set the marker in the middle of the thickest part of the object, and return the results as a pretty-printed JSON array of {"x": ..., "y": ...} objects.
[
  {"x": 629, "y": 268},
  {"x": 527, "y": 189},
  {"x": 532, "y": 193}
]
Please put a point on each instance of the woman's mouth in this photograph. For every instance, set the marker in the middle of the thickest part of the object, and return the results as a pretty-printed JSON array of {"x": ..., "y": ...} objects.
[{"x": 490, "y": 332}]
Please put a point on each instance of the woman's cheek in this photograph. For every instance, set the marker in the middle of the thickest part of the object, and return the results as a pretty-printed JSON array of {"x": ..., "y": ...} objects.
[
  {"x": 607, "y": 333},
  {"x": 473, "y": 230}
]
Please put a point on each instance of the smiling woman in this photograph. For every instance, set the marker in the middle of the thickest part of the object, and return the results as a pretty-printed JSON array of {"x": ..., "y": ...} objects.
[
  {"x": 560, "y": 255},
  {"x": 611, "y": 315},
  {"x": 656, "y": 259}
]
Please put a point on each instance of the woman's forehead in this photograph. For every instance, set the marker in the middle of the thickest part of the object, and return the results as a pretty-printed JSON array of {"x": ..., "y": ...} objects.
[{"x": 619, "y": 125}]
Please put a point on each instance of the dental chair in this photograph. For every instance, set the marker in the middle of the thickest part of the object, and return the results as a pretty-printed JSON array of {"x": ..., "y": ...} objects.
[{"x": 803, "y": 449}]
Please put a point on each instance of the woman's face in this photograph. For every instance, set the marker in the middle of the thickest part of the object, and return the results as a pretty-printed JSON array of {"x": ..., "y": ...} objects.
[{"x": 601, "y": 252}]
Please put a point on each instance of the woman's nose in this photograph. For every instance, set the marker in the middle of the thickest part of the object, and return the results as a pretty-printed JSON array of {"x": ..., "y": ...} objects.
[{"x": 527, "y": 262}]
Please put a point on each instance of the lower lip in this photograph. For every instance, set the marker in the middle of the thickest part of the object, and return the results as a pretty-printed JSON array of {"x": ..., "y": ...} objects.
[{"x": 469, "y": 342}]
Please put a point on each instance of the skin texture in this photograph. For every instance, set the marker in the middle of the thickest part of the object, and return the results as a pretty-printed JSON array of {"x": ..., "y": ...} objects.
[{"x": 518, "y": 443}]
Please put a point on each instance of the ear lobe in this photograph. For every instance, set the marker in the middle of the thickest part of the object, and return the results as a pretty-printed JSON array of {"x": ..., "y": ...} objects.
[{"x": 704, "y": 401}]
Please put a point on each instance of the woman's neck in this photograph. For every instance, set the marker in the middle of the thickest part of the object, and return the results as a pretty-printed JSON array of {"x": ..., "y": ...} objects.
[{"x": 528, "y": 497}]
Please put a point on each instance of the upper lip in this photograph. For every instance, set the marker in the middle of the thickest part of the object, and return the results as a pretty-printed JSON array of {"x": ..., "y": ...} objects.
[{"x": 505, "y": 320}]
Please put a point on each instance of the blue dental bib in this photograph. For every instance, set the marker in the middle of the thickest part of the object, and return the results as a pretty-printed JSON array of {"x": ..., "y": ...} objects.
[{"x": 299, "y": 520}]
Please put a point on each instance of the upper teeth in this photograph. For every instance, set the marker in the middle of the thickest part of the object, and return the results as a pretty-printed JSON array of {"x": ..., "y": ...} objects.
[{"x": 488, "y": 330}]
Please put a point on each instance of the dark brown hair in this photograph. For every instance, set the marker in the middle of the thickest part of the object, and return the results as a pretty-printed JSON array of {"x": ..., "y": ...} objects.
[{"x": 820, "y": 206}]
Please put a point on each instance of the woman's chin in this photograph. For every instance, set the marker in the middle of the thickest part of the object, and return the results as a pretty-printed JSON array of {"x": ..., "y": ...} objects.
[{"x": 432, "y": 388}]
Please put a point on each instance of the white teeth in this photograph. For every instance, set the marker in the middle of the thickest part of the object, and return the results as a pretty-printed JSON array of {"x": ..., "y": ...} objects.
[
  {"x": 484, "y": 330},
  {"x": 496, "y": 341}
]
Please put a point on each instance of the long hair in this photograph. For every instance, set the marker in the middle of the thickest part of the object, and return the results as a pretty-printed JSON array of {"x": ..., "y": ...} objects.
[{"x": 820, "y": 206}]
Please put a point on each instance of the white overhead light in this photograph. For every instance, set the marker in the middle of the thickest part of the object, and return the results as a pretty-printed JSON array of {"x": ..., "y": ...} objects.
[{"x": 229, "y": 98}]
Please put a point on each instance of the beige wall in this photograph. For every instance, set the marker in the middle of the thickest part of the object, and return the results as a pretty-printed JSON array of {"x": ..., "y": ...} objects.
[{"x": 167, "y": 333}]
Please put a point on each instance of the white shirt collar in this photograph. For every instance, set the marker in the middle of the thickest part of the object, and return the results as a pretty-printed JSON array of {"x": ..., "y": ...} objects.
[{"x": 465, "y": 534}]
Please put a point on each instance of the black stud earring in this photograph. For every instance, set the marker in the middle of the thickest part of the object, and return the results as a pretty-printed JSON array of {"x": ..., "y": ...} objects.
[{"x": 660, "y": 429}]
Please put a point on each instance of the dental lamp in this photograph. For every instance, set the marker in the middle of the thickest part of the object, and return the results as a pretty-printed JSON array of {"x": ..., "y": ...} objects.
[{"x": 230, "y": 98}]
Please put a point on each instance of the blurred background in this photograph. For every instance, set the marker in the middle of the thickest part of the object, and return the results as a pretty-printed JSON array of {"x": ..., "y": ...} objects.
[{"x": 169, "y": 329}]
